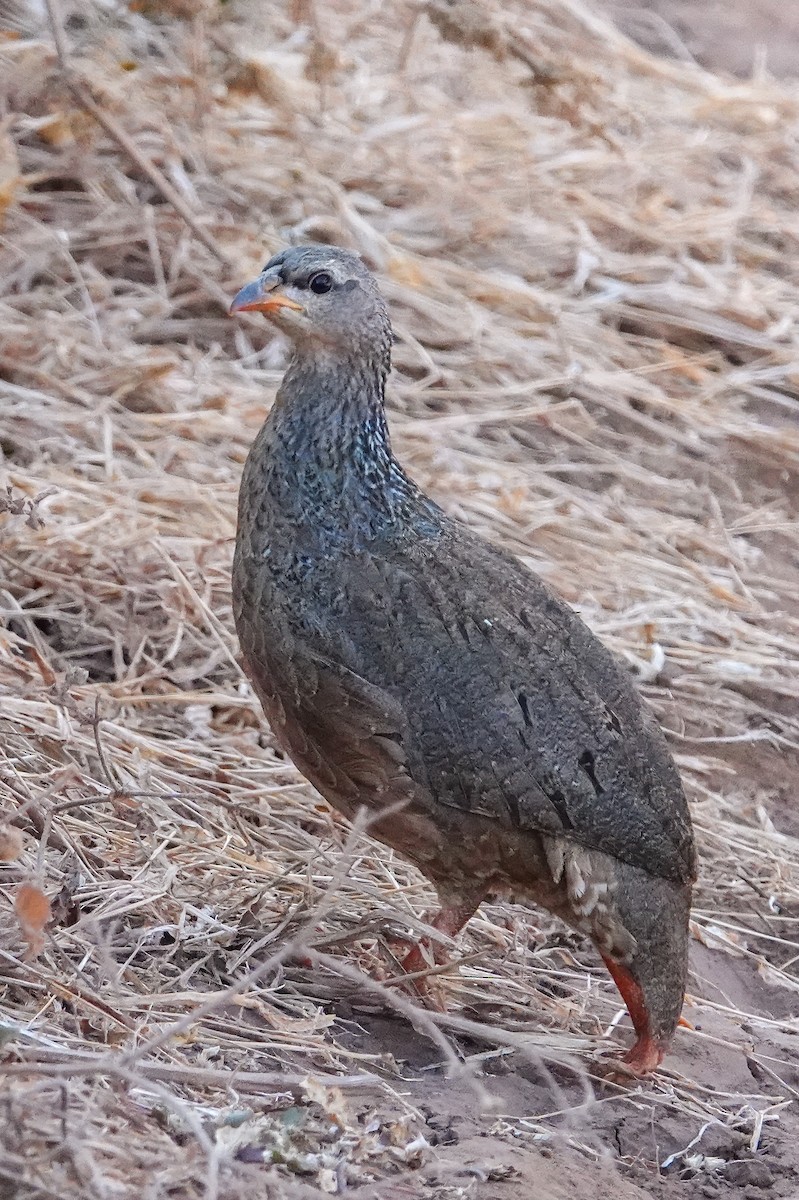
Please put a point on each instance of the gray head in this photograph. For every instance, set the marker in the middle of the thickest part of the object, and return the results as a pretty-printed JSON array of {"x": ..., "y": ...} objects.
[{"x": 325, "y": 299}]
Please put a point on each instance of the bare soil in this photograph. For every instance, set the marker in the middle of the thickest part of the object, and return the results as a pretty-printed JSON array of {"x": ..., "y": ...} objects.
[{"x": 736, "y": 36}]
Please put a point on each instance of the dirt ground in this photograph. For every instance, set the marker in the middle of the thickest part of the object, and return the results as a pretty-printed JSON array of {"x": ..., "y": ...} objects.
[
  {"x": 739, "y": 36},
  {"x": 591, "y": 255}
]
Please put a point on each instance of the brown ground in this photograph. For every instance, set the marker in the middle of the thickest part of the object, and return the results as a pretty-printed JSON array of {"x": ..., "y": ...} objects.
[{"x": 592, "y": 259}]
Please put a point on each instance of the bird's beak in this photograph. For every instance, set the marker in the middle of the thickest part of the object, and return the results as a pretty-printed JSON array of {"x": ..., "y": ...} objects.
[{"x": 261, "y": 296}]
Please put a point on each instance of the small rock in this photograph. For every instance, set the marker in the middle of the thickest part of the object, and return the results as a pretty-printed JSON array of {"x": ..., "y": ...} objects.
[{"x": 749, "y": 1172}]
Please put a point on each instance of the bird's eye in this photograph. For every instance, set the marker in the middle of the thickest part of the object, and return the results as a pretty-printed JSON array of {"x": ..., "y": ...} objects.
[{"x": 321, "y": 283}]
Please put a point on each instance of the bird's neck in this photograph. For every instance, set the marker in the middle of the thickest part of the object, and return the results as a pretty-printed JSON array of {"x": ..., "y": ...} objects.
[
  {"x": 325, "y": 457},
  {"x": 329, "y": 420}
]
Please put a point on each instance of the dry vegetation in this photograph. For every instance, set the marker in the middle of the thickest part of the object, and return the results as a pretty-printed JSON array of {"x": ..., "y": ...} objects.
[{"x": 592, "y": 259}]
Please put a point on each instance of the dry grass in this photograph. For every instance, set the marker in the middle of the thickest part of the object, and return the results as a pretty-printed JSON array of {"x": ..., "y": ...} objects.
[{"x": 592, "y": 260}]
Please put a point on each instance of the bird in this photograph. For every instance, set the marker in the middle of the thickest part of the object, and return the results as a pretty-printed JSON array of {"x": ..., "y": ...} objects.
[{"x": 413, "y": 669}]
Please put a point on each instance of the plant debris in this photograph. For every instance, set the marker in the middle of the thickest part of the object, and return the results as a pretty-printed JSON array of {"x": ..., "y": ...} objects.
[{"x": 590, "y": 256}]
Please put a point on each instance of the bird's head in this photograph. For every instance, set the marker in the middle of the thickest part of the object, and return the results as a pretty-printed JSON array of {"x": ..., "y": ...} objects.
[{"x": 325, "y": 299}]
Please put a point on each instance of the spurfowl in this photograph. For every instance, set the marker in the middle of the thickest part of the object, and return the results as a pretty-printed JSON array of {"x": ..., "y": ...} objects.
[{"x": 404, "y": 663}]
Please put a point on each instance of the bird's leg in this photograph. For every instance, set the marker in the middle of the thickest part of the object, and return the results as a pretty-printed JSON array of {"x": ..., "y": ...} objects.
[
  {"x": 647, "y": 1053},
  {"x": 447, "y": 920},
  {"x": 426, "y": 952}
]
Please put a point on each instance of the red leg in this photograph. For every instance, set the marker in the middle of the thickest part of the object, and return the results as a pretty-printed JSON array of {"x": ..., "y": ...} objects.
[
  {"x": 647, "y": 1053},
  {"x": 302, "y": 960},
  {"x": 425, "y": 953}
]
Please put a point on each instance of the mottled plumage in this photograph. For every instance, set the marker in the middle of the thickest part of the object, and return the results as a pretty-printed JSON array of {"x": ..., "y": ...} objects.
[{"x": 399, "y": 656}]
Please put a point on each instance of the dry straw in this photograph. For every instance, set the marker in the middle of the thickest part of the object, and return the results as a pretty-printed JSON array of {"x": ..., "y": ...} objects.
[{"x": 591, "y": 260}]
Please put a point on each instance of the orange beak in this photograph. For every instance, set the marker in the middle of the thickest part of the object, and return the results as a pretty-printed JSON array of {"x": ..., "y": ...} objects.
[{"x": 258, "y": 296}]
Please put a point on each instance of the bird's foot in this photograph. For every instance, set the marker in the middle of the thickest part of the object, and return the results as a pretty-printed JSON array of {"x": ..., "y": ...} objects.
[
  {"x": 423, "y": 956},
  {"x": 645, "y": 1056},
  {"x": 639, "y": 1062},
  {"x": 414, "y": 970},
  {"x": 426, "y": 954}
]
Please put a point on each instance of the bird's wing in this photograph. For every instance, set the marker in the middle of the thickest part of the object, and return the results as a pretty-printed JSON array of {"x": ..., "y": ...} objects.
[
  {"x": 504, "y": 704},
  {"x": 343, "y": 732}
]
